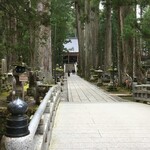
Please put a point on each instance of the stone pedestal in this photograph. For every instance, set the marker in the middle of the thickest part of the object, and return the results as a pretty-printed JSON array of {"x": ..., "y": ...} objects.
[
  {"x": 91, "y": 74},
  {"x": 17, "y": 122},
  {"x": 99, "y": 72}
]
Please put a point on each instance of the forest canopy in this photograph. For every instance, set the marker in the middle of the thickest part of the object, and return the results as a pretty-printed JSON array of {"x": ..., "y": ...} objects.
[{"x": 112, "y": 36}]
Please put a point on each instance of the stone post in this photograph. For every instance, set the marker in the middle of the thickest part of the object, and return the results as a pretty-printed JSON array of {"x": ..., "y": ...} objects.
[
  {"x": 17, "y": 135},
  {"x": 99, "y": 72},
  {"x": 4, "y": 66},
  {"x": 91, "y": 74},
  {"x": 17, "y": 122}
]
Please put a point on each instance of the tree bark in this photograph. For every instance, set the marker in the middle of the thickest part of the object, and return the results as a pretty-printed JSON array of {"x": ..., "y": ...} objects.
[
  {"x": 80, "y": 33},
  {"x": 44, "y": 46},
  {"x": 126, "y": 45},
  {"x": 108, "y": 38},
  {"x": 87, "y": 39},
  {"x": 87, "y": 27}
]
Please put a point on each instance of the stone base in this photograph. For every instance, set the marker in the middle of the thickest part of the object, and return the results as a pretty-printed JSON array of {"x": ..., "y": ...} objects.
[
  {"x": 99, "y": 84},
  {"x": 112, "y": 88}
]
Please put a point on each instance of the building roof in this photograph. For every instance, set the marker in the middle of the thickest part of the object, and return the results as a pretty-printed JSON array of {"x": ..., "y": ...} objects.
[{"x": 72, "y": 45}]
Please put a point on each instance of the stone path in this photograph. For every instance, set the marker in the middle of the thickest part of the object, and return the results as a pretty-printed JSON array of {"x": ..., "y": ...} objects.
[
  {"x": 94, "y": 120},
  {"x": 80, "y": 90}
]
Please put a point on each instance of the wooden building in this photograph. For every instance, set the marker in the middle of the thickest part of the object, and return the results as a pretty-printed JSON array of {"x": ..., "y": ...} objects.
[{"x": 71, "y": 54}]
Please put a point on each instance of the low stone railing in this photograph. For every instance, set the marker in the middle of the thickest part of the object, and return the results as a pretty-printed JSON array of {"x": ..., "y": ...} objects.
[
  {"x": 142, "y": 92},
  {"x": 40, "y": 126}
]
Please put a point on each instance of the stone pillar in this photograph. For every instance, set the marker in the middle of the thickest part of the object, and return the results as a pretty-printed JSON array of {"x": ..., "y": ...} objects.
[
  {"x": 4, "y": 66},
  {"x": 17, "y": 122},
  {"x": 17, "y": 135}
]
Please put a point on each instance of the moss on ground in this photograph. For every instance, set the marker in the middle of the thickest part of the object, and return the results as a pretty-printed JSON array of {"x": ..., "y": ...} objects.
[{"x": 120, "y": 90}]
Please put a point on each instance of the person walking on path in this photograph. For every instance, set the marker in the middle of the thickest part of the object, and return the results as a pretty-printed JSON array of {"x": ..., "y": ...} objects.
[{"x": 68, "y": 73}]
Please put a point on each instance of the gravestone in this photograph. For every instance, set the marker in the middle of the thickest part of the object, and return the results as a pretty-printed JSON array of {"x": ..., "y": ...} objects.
[
  {"x": 148, "y": 76},
  {"x": 3, "y": 74},
  {"x": 3, "y": 66},
  {"x": 32, "y": 84}
]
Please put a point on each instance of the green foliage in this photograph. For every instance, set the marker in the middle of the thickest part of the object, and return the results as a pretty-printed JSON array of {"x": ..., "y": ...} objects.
[
  {"x": 129, "y": 26},
  {"x": 94, "y": 4},
  {"x": 3, "y": 115},
  {"x": 17, "y": 19},
  {"x": 63, "y": 25},
  {"x": 123, "y": 2},
  {"x": 31, "y": 110},
  {"x": 143, "y": 3},
  {"x": 146, "y": 23}
]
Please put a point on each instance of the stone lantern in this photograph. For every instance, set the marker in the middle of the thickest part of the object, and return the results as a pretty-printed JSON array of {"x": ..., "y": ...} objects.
[
  {"x": 17, "y": 121},
  {"x": 99, "y": 73},
  {"x": 112, "y": 84},
  {"x": 91, "y": 74}
]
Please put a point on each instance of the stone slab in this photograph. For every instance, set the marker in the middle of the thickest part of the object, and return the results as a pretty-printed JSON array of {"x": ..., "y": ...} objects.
[{"x": 96, "y": 126}]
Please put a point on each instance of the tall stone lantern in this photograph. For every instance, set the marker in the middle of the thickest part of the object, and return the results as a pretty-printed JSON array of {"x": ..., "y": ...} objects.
[
  {"x": 99, "y": 73},
  {"x": 112, "y": 84},
  {"x": 92, "y": 74}
]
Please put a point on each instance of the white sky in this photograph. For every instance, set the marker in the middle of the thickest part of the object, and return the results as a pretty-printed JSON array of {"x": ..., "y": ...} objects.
[
  {"x": 101, "y": 7},
  {"x": 138, "y": 11}
]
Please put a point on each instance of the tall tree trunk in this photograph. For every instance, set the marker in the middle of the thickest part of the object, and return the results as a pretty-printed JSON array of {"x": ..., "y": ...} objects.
[
  {"x": 87, "y": 39},
  {"x": 44, "y": 39},
  {"x": 87, "y": 27},
  {"x": 94, "y": 17},
  {"x": 134, "y": 58},
  {"x": 126, "y": 44},
  {"x": 119, "y": 49},
  {"x": 108, "y": 38},
  {"x": 80, "y": 33},
  {"x": 139, "y": 71},
  {"x": 32, "y": 44},
  {"x": 122, "y": 50},
  {"x": 11, "y": 39}
]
